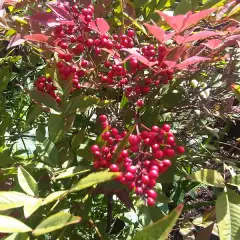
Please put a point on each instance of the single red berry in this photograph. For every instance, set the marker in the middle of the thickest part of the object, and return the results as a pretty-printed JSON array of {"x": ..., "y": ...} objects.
[
  {"x": 114, "y": 131},
  {"x": 133, "y": 139},
  {"x": 138, "y": 190},
  {"x": 152, "y": 183},
  {"x": 95, "y": 148},
  {"x": 103, "y": 118},
  {"x": 114, "y": 168},
  {"x": 131, "y": 169},
  {"x": 155, "y": 128},
  {"x": 96, "y": 165},
  {"x": 89, "y": 42},
  {"x": 140, "y": 102},
  {"x": 152, "y": 194},
  {"x": 170, "y": 141},
  {"x": 155, "y": 147},
  {"x": 129, "y": 176},
  {"x": 180, "y": 149},
  {"x": 169, "y": 152},
  {"x": 166, "y": 163},
  {"x": 130, "y": 33},
  {"x": 166, "y": 127},
  {"x": 158, "y": 154},
  {"x": 153, "y": 174},
  {"x": 150, "y": 202},
  {"x": 145, "y": 179},
  {"x": 144, "y": 134},
  {"x": 124, "y": 153}
]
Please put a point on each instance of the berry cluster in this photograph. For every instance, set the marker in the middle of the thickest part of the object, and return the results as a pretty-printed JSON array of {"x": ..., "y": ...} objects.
[
  {"x": 79, "y": 45},
  {"x": 144, "y": 158},
  {"x": 45, "y": 84}
]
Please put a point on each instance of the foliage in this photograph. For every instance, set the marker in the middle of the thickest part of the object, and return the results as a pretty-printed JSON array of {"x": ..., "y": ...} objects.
[{"x": 117, "y": 119}]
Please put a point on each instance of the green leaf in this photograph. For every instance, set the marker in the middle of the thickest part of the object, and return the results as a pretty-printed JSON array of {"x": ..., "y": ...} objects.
[
  {"x": 209, "y": 177},
  {"x": 54, "y": 196},
  {"x": 12, "y": 225},
  {"x": 31, "y": 206},
  {"x": 9, "y": 200},
  {"x": 160, "y": 230},
  {"x": 80, "y": 104},
  {"x": 58, "y": 126},
  {"x": 55, "y": 222},
  {"x": 47, "y": 151},
  {"x": 92, "y": 179},
  {"x": 4, "y": 78},
  {"x": 27, "y": 182},
  {"x": 33, "y": 113},
  {"x": 235, "y": 181},
  {"x": 71, "y": 172},
  {"x": 45, "y": 99},
  {"x": 227, "y": 213},
  {"x": 78, "y": 139},
  {"x": 18, "y": 236},
  {"x": 183, "y": 7}
]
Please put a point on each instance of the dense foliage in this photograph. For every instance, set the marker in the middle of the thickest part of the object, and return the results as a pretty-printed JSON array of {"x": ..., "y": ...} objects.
[{"x": 119, "y": 119}]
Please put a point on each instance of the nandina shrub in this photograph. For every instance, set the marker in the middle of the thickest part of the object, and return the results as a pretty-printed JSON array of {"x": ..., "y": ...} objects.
[{"x": 99, "y": 134}]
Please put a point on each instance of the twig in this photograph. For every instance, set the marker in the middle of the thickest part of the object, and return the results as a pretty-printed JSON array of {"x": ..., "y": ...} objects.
[{"x": 109, "y": 212}]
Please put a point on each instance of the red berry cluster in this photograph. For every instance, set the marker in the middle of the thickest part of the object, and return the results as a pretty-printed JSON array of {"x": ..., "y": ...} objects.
[
  {"x": 45, "y": 84},
  {"x": 142, "y": 161},
  {"x": 77, "y": 42}
]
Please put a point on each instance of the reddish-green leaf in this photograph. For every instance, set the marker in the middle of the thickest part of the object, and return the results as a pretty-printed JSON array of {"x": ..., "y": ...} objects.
[
  {"x": 191, "y": 61},
  {"x": 199, "y": 36},
  {"x": 37, "y": 38}
]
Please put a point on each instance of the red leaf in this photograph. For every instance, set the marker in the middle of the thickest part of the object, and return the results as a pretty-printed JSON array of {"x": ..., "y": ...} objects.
[
  {"x": 170, "y": 64},
  {"x": 37, "y": 38},
  {"x": 102, "y": 25},
  {"x": 15, "y": 41},
  {"x": 138, "y": 56},
  {"x": 200, "y": 35},
  {"x": 59, "y": 10},
  {"x": 191, "y": 61},
  {"x": 179, "y": 39},
  {"x": 176, "y": 22},
  {"x": 182, "y": 22},
  {"x": 195, "y": 18},
  {"x": 156, "y": 31},
  {"x": 44, "y": 18},
  {"x": 213, "y": 43}
]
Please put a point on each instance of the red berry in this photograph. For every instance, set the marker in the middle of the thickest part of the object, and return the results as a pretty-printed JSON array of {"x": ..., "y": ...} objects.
[
  {"x": 167, "y": 163},
  {"x": 151, "y": 193},
  {"x": 150, "y": 201},
  {"x": 89, "y": 42},
  {"x": 180, "y": 149},
  {"x": 153, "y": 174},
  {"x": 169, "y": 152},
  {"x": 170, "y": 141},
  {"x": 130, "y": 33},
  {"x": 96, "y": 165},
  {"x": 133, "y": 139},
  {"x": 132, "y": 169},
  {"x": 124, "y": 153},
  {"x": 145, "y": 179},
  {"x": 140, "y": 102},
  {"x": 158, "y": 154},
  {"x": 138, "y": 190},
  {"x": 129, "y": 176},
  {"x": 155, "y": 147},
  {"x": 144, "y": 134},
  {"x": 95, "y": 148},
  {"x": 114, "y": 168},
  {"x": 103, "y": 118},
  {"x": 166, "y": 127},
  {"x": 114, "y": 131},
  {"x": 155, "y": 128}
]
